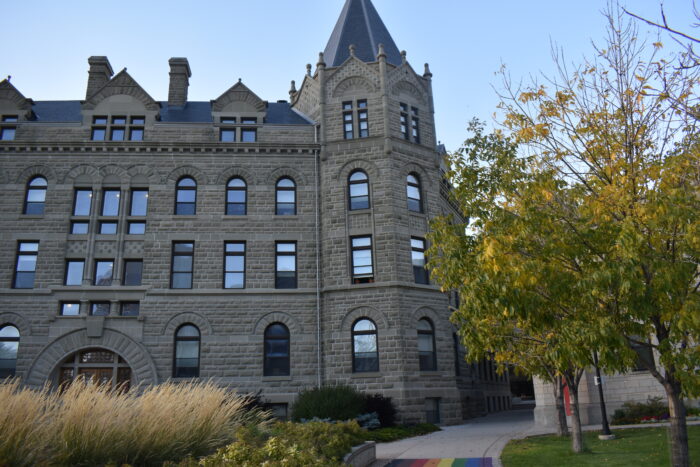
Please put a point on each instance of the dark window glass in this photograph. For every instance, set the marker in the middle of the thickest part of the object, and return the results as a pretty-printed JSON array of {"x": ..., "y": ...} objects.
[
  {"x": 365, "y": 354},
  {"x": 415, "y": 126},
  {"x": 74, "y": 271},
  {"x": 70, "y": 309},
  {"x": 286, "y": 194},
  {"x": 9, "y": 343},
  {"x": 139, "y": 202},
  {"x": 249, "y": 135},
  {"x": 227, "y": 135},
  {"x": 118, "y": 134},
  {"x": 132, "y": 272},
  {"x": 420, "y": 274},
  {"x": 286, "y": 265},
  {"x": 348, "y": 125},
  {"x": 99, "y": 134},
  {"x": 182, "y": 265},
  {"x": 82, "y": 202},
  {"x": 276, "y": 359},
  {"x": 108, "y": 227},
  {"x": 79, "y": 227},
  {"x": 404, "y": 121},
  {"x": 644, "y": 354},
  {"x": 103, "y": 271},
  {"x": 234, "y": 265},
  {"x": 455, "y": 344},
  {"x": 186, "y": 197},
  {"x": 413, "y": 193},
  {"x": 137, "y": 228},
  {"x": 426, "y": 346},
  {"x": 110, "y": 202},
  {"x": 236, "y": 197},
  {"x": 362, "y": 271},
  {"x": 186, "y": 362},
  {"x": 130, "y": 308},
  {"x": 99, "y": 308},
  {"x": 358, "y": 190},
  {"x": 36, "y": 196},
  {"x": 432, "y": 410},
  {"x": 278, "y": 411},
  {"x": 362, "y": 119},
  {"x": 136, "y": 134},
  {"x": 25, "y": 267}
]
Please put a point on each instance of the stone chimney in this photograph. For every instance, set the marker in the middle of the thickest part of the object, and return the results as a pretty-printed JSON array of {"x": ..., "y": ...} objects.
[
  {"x": 100, "y": 72},
  {"x": 179, "y": 81}
]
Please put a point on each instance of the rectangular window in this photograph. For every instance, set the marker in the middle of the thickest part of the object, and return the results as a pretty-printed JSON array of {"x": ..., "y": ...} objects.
[
  {"x": 117, "y": 133},
  {"x": 133, "y": 270},
  {"x": 138, "y": 120},
  {"x": 110, "y": 202},
  {"x": 7, "y": 133},
  {"x": 118, "y": 120},
  {"x": 82, "y": 202},
  {"x": 362, "y": 271},
  {"x": 79, "y": 227},
  {"x": 362, "y": 119},
  {"x": 129, "y": 308},
  {"x": 420, "y": 274},
  {"x": 182, "y": 265},
  {"x": 348, "y": 123},
  {"x": 139, "y": 202},
  {"x": 227, "y": 135},
  {"x": 432, "y": 410},
  {"x": 74, "y": 272},
  {"x": 249, "y": 120},
  {"x": 278, "y": 411},
  {"x": 136, "y": 134},
  {"x": 404, "y": 121},
  {"x": 69, "y": 309},
  {"x": 137, "y": 228},
  {"x": 644, "y": 354},
  {"x": 103, "y": 271},
  {"x": 249, "y": 135},
  {"x": 108, "y": 227},
  {"x": 25, "y": 266},
  {"x": 286, "y": 265},
  {"x": 228, "y": 120},
  {"x": 99, "y": 120},
  {"x": 415, "y": 126},
  {"x": 99, "y": 308},
  {"x": 234, "y": 265},
  {"x": 98, "y": 133}
]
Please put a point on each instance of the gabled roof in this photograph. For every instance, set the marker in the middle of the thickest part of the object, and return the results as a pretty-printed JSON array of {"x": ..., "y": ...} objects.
[
  {"x": 238, "y": 92},
  {"x": 121, "y": 83},
  {"x": 11, "y": 93},
  {"x": 360, "y": 25}
]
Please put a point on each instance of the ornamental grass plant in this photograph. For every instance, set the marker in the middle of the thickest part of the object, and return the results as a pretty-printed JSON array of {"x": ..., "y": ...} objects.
[{"x": 90, "y": 424}]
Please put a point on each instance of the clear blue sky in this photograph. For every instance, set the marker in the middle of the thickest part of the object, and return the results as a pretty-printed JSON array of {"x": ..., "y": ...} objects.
[{"x": 267, "y": 43}]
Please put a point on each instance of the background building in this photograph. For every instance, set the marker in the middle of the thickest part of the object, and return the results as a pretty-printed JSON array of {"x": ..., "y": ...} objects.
[{"x": 272, "y": 246}]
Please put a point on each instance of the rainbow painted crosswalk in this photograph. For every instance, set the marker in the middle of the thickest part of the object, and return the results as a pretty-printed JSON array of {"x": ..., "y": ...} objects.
[{"x": 473, "y": 462}]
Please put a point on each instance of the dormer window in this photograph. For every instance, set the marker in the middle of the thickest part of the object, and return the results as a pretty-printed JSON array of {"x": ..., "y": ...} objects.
[
  {"x": 232, "y": 130},
  {"x": 7, "y": 132},
  {"x": 118, "y": 128}
]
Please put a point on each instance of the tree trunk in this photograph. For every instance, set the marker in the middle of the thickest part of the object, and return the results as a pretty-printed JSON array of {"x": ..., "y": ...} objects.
[
  {"x": 562, "y": 426},
  {"x": 677, "y": 428},
  {"x": 576, "y": 433}
]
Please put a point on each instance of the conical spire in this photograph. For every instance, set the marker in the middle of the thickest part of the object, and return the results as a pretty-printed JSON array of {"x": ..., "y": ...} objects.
[{"x": 360, "y": 25}]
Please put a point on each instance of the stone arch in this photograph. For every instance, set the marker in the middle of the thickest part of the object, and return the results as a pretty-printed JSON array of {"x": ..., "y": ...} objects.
[
  {"x": 375, "y": 315},
  {"x": 227, "y": 174},
  {"x": 353, "y": 85},
  {"x": 288, "y": 320},
  {"x": 426, "y": 312},
  {"x": 198, "y": 320},
  {"x": 187, "y": 170},
  {"x": 112, "y": 172},
  {"x": 142, "y": 366},
  {"x": 18, "y": 321},
  {"x": 425, "y": 181},
  {"x": 82, "y": 171},
  {"x": 369, "y": 167},
  {"x": 34, "y": 170},
  {"x": 407, "y": 88},
  {"x": 280, "y": 172},
  {"x": 143, "y": 171}
]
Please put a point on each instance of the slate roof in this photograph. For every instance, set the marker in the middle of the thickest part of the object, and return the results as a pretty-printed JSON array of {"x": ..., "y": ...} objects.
[
  {"x": 279, "y": 113},
  {"x": 360, "y": 24}
]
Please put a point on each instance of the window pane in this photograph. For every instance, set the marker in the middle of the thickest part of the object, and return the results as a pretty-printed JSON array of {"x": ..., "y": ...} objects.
[
  {"x": 186, "y": 182},
  {"x": 182, "y": 280},
  {"x": 356, "y": 176},
  {"x": 285, "y": 183},
  {"x": 425, "y": 342},
  {"x": 74, "y": 272},
  {"x": 9, "y": 331},
  {"x": 183, "y": 247},
  {"x": 136, "y": 134},
  {"x": 285, "y": 209},
  {"x": 117, "y": 134},
  {"x": 24, "y": 280},
  {"x": 103, "y": 273},
  {"x": 286, "y": 247},
  {"x": 234, "y": 280},
  {"x": 29, "y": 246},
  {"x": 186, "y": 196},
  {"x": 188, "y": 352},
  {"x": 359, "y": 189},
  {"x": 108, "y": 228},
  {"x": 110, "y": 203},
  {"x": 139, "y": 202},
  {"x": 36, "y": 195},
  {"x": 364, "y": 325},
  {"x": 285, "y": 196},
  {"x": 138, "y": 120},
  {"x": 235, "y": 247},
  {"x": 235, "y": 196},
  {"x": 248, "y": 136},
  {"x": 119, "y": 120},
  {"x": 130, "y": 309},
  {"x": 227, "y": 136},
  {"x": 188, "y": 331},
  {"x": 286, "y": 263},
  {"x": 26, "y": 263},
  {"x": 70, "y": 309},
  {"x": 83, "y": 202},
  {"x": 7, "y": 134},
  {"x": 235, "y": 263},
  {"x": 132, "y": 272},
  {"x": 182, "y": 263},
  {"x": 99, "y": 309},
  {"x": 98, "y": 134},
  {"x": 137, "y": 228},
  {"x": 185, "y": 209}
]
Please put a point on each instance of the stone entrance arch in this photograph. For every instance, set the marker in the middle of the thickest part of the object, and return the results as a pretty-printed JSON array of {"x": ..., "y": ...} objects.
[{"x": 42, "y": 369}]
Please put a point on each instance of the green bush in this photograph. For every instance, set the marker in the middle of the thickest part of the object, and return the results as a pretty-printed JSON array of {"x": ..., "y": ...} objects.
[
  {"x": 395, "y": 433},
  {"x": 636, "y": 412},
  {"x": 328, "y": 402},
  {"x": 692, "y": 411},
  {"x": 383, "y": 407},
  {"x": 290, "y": 444}
]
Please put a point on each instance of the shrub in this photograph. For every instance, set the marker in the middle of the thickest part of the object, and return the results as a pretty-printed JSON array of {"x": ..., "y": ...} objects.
[
  {"x": 332, "y": 402},
  {"x": 383, "y": 407},
  {"x": 400, "y": 432},
  {"x": 636, "y": 412}
]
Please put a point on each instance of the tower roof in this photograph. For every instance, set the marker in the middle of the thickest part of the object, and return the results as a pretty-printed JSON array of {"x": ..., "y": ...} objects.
[{"x": 360, "y": 25}]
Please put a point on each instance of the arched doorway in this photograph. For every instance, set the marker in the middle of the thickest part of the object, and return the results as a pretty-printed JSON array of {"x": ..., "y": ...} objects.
[{"x": 100, "y": 365}]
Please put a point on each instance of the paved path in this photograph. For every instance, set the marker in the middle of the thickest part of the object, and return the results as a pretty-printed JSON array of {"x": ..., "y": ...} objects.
[{"x": 481, "y": 438}]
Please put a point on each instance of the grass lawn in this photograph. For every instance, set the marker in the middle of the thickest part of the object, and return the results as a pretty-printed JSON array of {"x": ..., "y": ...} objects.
[{"x": 638, "y": 447}]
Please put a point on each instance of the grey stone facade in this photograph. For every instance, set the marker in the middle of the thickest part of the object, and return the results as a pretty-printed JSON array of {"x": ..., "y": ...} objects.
[{"x": 302, "y": 139}]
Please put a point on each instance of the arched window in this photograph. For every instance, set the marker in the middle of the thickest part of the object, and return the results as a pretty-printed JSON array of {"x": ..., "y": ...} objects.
[
  {"x": 358, "y": 190},
  {"x": 98, "y": 365},
  {"x": 236, "y": 197},
  {"x": 365, "y": 356},
  {"x": 413, "y": 193},
  {"x": 9, "y": 342},
  {"x": 276, "y": 360},
  {"x": 186, "y": 364},
  {"x": 36, "y": 196},
  {"x": 426, "y": 345},
  {"x": 186, "y": 197},
  {"x": 286, "y": 197}
]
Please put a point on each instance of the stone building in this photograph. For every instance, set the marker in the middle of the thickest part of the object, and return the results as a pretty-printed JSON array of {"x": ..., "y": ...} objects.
[{"x": 271, "y": 246}]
